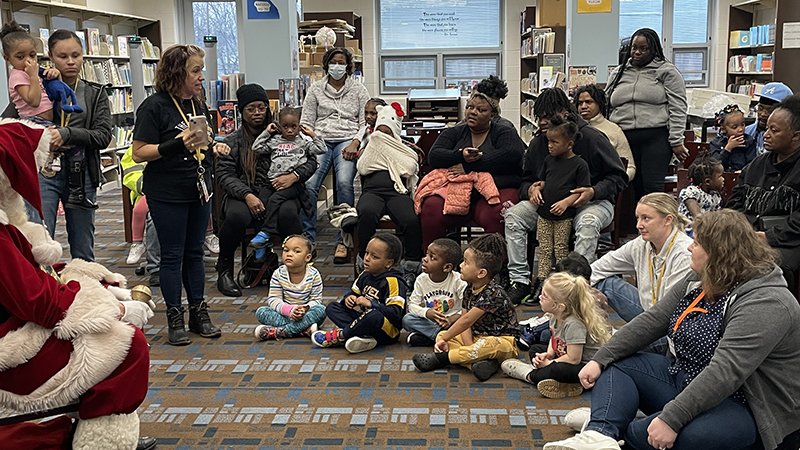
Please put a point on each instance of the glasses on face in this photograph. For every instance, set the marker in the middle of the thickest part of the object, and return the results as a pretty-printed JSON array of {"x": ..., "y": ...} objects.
[{"x": 253, "y": 109}]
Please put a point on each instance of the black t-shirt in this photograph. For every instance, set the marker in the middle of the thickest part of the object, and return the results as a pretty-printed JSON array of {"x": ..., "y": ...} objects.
[
  {"x": 171, "y": 179},
  {"x": 560, "y": 176}
]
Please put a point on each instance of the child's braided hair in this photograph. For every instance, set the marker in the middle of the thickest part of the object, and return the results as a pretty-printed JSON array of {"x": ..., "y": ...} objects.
[
  {"x": 490, "y": 252},
  {"x": 730, "y": 109},
  {"x": 703, "y": 167}
]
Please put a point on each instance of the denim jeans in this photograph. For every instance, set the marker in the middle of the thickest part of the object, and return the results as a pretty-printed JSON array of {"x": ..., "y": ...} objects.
[
  {"x": 153, "y": 247},
  {"x": 344, "y": 172},
  {"x": 427, "y": 327},
  {"x": 268, "y": 316},
  {"x": 181, "y": 229},
  {"x": 520, "y": 220},
  {"x": 625, "y": 300},
  {"x": 80, "y": 223},
  {"x": 643, "y": 382}
]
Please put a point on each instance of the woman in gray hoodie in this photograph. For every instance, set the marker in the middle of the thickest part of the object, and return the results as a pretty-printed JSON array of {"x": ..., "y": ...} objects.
[
  {"x": 334, "y": 109},
  {"x": 647, "y": 95}
]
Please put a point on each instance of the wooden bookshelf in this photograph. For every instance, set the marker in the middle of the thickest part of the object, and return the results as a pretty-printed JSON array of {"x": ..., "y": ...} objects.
[{"x": 743, "y": 16}]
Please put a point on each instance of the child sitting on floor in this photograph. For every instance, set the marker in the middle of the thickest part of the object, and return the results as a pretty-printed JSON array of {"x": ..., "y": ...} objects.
[
  {"x": 488, "y": 325},
  {"x": 295, "y": 295},
  {"x": 732, "y": 146},
  {"x": 372, "y": 312},
  {"x": 435, "y": 303},
  {"x": 703, "y": 193},
  {"x": 577, "y": 329}
]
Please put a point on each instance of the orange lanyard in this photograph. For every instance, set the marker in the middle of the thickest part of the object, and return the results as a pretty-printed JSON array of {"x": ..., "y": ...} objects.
[
  {"x": 689, "y": 310},
  {"x": 65, "y": 122}
]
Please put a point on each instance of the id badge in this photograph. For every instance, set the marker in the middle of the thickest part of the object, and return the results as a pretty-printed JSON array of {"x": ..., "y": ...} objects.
[{"x": 205, "y": 196}]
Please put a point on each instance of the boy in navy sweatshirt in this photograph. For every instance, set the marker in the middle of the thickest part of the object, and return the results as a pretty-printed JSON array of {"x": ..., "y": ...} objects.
[{"x": 372, "y": 312}]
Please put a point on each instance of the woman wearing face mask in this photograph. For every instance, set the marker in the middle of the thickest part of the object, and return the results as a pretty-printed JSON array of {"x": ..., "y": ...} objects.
[
  {"x": 647, "y": 95},
  {"x": 334, "y": 109}
]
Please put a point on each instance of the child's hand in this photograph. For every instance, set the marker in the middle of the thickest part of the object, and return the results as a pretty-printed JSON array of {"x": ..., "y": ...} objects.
[
  {"x": 735, "y": 142},
  {"x": 32, "y": 68},
  {"x": 307, "y": 130},
  {"x": 441, "y": 346},
  {"x": 540, "y": 360},
  {"x": 298, "y": 312},
  {"x": 51, "y": 73},
  {"x": 363, "y": 302},
  {"x": 452, "y": 319},
  {"x": 351, "y": 301},
  {"x": 558, "y": 208},
  {"x": 272, "y": 128},
  {"x": 536, "y": 195},
  {"x": 436, "y": 316}
]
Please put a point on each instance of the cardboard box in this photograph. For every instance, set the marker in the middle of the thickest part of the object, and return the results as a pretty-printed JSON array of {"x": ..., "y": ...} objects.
[
  {"x": 354, "y": 44},
  {"x": 551, "y": 13},
  {"x": 304, "y": 59},
  {"x": 316, "y": 58}
]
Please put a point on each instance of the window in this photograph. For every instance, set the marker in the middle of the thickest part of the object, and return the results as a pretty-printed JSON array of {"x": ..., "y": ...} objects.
[
  {"x": 683, "y": 27},
  {"x": 215, "y": 18},
  {"x": 437, "y": 43}
]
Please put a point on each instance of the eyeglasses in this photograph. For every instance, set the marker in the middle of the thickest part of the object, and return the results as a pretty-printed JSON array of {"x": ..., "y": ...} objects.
[{"x": 252, "y": 109}]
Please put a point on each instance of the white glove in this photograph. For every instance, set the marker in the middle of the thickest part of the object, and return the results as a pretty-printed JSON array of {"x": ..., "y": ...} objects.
[
  {"x": 137, "y": 313},
  {"x": 122, "y": 295},
  {"x": 116, "y": 278}
]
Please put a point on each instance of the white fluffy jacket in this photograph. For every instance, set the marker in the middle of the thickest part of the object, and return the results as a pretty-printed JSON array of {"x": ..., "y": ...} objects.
[{"x": 388, "y": 153}]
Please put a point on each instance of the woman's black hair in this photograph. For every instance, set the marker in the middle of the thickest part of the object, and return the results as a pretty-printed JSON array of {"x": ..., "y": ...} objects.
[
  {"x": 551, "y": 103},
  {"x": 490, "y": 252},
  {"x": 493, "y": 87},
  {"x": 656, "y": 49},
  {"x": 61, "y": 35},
  {"x": 567, "y": 128},
  {"x": 597, "y": 94},
  {"x": 11, "y": 33},
  {"x": 792, "y": 105},
  {"x": 394, "y": 247},
  {"x": 348, "y": 57},
  {"x": 377, "y": 101},
  {"x": 703, "y": 167}
]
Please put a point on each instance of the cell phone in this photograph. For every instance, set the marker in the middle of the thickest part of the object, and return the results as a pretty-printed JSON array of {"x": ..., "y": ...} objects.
[
  {"x": 198, "y": 123},
  {"x": 473, "y": 150}
]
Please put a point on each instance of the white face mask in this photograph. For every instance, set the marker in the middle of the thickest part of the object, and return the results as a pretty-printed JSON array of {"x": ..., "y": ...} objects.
[{"x": 337, "y": 71}]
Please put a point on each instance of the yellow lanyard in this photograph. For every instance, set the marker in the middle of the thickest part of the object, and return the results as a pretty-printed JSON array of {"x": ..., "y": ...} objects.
[
  {"x": 65, "y": 122},
  {"x": 198, "y": 151},
  {"x": 655, "y": 289}
]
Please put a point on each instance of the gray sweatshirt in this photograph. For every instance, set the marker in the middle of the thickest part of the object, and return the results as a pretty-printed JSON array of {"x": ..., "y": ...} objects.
[
  {"x": 759, "y": 351},
  {"x": 286, "y": 156},
  {"x": 332, "y": 114},
  {"x": 651, "y": 97}
]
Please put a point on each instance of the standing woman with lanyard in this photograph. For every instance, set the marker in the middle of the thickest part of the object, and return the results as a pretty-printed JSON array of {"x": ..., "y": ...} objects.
[
  {"x": 177, "y": 183},
  {"x": 659, "y": 256}
]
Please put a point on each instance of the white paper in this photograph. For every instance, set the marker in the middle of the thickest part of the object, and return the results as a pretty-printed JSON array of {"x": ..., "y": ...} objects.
[{"x": 791, "y": 35}]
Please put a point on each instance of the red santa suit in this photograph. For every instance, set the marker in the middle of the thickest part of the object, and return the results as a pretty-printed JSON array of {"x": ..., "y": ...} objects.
[{"x": 61, "y": 341}]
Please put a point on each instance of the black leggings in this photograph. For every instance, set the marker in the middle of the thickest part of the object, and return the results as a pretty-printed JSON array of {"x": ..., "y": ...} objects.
[
  {"x": 651, "y": 153},
  {"x": 561, "y": 372},
  {"x": 376, "y": 200},
  {"x": 237, "y": 219}
]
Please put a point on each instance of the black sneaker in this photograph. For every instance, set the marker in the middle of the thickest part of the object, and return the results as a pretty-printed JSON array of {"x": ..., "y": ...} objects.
[
  {"x": 536, "y": 291},
  {"x": 518, "y": 292},
  {"x": 155, "y": 279},
  {"x": 483, "y": 370},
  {"x": 416, "y": 339}
]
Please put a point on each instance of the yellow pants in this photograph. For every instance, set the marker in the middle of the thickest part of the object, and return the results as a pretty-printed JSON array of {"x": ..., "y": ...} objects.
[{"x": 500, "y": 348}]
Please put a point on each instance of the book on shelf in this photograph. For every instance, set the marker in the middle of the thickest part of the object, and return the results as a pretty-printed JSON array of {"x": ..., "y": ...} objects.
[
  {"x": 122, "y": 45},
  {"x": 556, "y": 81},
  {"x": 290, "y": 92},
  {"x": 228, "y": 117},
  {"x": 761, "y": 63},
  {"x": 545, "y": 74},
  {"x": 580, "y": 76},
  {"x": 149, "y": 73},
  {"x": 123, "y": 135},
  {"x": 44, "y": 33},
  {"x": 529, "y": 84},
  {"x": 556, "y": 60},
  {"x": 544, "y": 40},
  {"x": 82, "y": 36},
  {"x": 755, "y": 35},
  {"x": 108, "y": 40},
  {"x": 120, "y": 100}
]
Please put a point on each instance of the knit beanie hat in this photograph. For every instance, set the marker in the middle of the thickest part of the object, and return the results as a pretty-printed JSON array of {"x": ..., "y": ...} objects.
[
  {"x": 391, "y": 116},
  {"x": 249, "y": 93}
]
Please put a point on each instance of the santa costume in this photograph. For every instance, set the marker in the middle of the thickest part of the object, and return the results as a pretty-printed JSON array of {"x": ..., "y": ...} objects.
[{"x": 63, "y": 338}]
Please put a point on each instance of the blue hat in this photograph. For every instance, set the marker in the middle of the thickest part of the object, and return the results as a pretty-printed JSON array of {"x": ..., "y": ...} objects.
[{"x": 776, "y": 92}]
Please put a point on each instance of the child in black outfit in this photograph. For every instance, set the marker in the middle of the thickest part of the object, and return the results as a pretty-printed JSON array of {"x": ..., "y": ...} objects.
[
  {"x": 562, "y": 171},
  {"x": 372, "y": 312}
]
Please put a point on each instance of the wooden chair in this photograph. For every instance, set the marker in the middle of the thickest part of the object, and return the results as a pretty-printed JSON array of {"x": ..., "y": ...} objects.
[{"x": 731, "y": 180}]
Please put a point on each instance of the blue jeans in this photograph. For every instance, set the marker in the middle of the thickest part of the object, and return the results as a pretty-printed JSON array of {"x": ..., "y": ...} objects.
[
  {"x": 624, "y": 299},
  {"x": 422, "y": 325},
  {"x": 643, "y": 382},
  {"x": 80, "y": 223},
  {"x": 344, "y": 172},
  {"x": 153, "y": 247},
  {"x": 181, "y": 229},
  {"x": 268, "y": 316}
]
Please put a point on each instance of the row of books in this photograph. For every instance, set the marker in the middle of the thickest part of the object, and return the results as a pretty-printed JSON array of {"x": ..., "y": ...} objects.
[
  {"x": 529, "y": 84},
  {"x": 120, "y": 100},
  {"x": 541, "y": 40},
  {"x": 96, "y": 44},
  {"x": 223, "y": 89},
  {"x": 123, "y": 136},
  {"x": 743, "y": 85},
  {"x": 757, "y": 35},
  {"x": 149, "y": 72},
  {"x": 761, "y": 63},
  {"x": 549, "y": 78},
  {"x": 106, "y": 72}
]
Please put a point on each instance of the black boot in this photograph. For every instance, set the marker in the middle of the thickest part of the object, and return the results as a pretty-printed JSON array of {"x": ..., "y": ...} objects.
[
  {"x": 225, "y": 282},
  {"x": 177, "y": 328},
  {"x": 77, "y": 187},
  {"x": 200, "y": 322}
]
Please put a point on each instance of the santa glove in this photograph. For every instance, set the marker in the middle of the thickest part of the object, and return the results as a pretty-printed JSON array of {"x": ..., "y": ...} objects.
[
  {"x": 123, "y": 295},
  {"x": 137, "y": 313}
]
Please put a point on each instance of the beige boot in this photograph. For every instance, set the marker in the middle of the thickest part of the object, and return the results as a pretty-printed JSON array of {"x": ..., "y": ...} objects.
[{"x": 114, "y": 432}]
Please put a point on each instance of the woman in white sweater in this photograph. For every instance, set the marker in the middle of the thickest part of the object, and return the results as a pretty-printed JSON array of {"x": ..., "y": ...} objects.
[
  {"x": 659, "y": 257},
  {"x": 592, "y": 105}
]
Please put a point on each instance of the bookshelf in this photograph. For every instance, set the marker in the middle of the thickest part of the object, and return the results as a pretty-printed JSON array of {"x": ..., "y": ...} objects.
[
  {"x": 105, "y": 61},
  {"x": 751, "y": 53},
  {"x": 434, "y": 105}
]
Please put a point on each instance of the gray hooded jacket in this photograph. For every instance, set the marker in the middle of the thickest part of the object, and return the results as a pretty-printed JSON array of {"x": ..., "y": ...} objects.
[{"x": 332, "y": 114}]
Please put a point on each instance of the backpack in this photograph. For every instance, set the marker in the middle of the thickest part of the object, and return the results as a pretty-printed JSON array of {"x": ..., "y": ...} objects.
[{"x": 257, "y": 272}]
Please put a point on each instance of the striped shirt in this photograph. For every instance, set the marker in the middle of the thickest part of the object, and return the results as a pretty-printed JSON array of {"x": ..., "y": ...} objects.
[{"x": 285, "y": 295}]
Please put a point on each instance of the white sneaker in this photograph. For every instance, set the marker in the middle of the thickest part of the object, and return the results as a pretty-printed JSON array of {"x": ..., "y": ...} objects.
[
  {"x": 135, "y": 254},
  {"x": 578, "y": 418},
  {"x": 515, "y": 368},
  {"x": 588, "y": 440},
  {"x": 212, "y": 243},
  {"x": 360, "y": 344}
]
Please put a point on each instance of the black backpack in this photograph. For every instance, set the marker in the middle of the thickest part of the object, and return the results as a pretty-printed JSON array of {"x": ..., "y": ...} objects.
[{"x": 257, "y": 272}]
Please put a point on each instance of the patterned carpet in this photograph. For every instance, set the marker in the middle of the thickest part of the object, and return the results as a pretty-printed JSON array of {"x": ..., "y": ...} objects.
[{"x": 236, "y": 393}]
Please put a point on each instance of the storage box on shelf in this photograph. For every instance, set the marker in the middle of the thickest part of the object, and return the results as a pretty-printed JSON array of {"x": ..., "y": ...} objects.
[
  {"x": 434, "y": 105},
  {"x": 346, "y": 25}
]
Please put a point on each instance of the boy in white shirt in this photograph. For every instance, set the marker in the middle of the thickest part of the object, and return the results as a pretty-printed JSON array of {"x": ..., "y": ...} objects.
[{"x": 435, "y": 303}]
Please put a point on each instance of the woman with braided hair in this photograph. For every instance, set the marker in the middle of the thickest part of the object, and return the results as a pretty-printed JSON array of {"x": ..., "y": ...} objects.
[
  {"x": 241, "y": 175},
  {"x": 496, "y": 89}
]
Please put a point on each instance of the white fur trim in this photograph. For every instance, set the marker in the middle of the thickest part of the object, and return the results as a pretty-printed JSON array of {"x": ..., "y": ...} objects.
[
  {"x": 114, "y": 432},
  {"x": 95, "y": 271},
  {"x": 21, "y": 345},
  {"x": 94, "y": 310},
  {"x": 45, "y": 250},
  {"x": 3, "y": 217}
]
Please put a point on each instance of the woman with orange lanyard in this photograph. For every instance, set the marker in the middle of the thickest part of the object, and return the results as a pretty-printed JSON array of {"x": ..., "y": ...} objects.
[
  {"x": 177, "y": 183},
  {"x": 659, "y": 257},
  {"x": 730, "y": 381}
]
